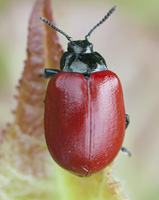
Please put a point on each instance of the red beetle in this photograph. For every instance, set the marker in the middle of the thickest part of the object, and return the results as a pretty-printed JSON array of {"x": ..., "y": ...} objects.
[{"x": 85, "y": 117}]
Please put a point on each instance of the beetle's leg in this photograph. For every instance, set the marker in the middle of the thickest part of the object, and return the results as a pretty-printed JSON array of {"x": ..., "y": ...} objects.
[
  {"x": 127, "y": 120},
  {"x": 123, "y": 149},
  {"x": 48, "y": 73}
]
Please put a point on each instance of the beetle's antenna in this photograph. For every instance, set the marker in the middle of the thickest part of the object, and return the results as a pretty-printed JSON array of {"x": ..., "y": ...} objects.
[
  {"x": 101, "y": 22},
  {"x": 55, "y": 28}
]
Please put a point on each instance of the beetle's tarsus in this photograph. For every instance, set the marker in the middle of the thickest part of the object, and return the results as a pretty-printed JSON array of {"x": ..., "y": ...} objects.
[
  {"x": 125, "y": 150},
  {"x": 42, "y": 75}
]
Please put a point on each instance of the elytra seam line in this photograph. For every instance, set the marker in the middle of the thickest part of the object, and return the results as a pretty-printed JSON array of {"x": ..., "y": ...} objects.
[{"x": 89, "y": 118}]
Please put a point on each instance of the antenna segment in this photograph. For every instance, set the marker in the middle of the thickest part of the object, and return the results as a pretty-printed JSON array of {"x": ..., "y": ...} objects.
[
  {"x": 101, "y": 22},
  {"x": 55, "y": 28}
]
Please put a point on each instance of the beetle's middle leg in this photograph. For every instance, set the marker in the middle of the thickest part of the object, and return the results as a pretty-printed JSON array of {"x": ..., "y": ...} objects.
[
  {"x": 127, "y": 120},
  {"x": 123, "y": 149}
]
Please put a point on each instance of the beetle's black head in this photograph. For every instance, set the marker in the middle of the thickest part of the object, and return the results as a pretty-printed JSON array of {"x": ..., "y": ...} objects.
[
  {"x": 80, "y": 47},
  {"x": 80, "y": 57}
]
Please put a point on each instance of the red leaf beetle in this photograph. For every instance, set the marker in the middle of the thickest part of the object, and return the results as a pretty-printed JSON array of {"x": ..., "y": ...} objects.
[{"x": 85, "y": 117}]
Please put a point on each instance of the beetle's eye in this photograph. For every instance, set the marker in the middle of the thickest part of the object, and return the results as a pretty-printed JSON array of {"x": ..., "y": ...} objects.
[
  {"x": 84, "y": 44},
  {"x": 71, "y": 46}
]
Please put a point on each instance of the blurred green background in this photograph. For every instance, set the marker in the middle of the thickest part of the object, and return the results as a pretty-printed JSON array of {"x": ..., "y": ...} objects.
[{"x": 129, "y": 41}]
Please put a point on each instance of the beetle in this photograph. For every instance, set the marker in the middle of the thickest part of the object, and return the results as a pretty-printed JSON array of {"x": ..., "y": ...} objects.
[{"x": 85, "y": 117}]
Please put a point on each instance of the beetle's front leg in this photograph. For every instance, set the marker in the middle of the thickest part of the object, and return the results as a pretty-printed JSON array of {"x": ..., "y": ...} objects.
[{"x": 48, "y": 73}]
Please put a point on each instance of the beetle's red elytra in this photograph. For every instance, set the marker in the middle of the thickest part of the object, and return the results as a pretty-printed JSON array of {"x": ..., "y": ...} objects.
[
  {"x": 84, "y": 121},
  {"x": 85, "y": 116}
]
